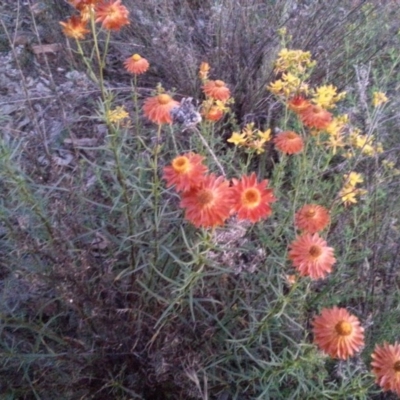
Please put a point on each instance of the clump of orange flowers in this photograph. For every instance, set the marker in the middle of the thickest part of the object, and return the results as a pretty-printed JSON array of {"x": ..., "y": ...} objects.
[
  {"x": 289, "y": 142},
  {"x": 312, "y": 218},
  {"x": 209, "y": 200},
  {"x": 136, "y": 64},
  {"x": 217, "y": 90},
  {"x": 218, "y": 96},
  {"x": 338, "y": 333},
  {"x": 311, "y": 256},
  {"x": 252, "y": 199},
  {"x": 75, "y": 27},
  {"x": 209, "y": 204},
  {"x": 185, "y": 172},
  {"x": 386, "y": 366},
  {"x": 158, "y": 108},
  {"x": 112, "y": 15}
]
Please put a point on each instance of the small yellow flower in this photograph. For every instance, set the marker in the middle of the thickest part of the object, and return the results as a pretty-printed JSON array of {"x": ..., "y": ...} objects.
[
  {"x": 204, "y": 70},
  {"x": 266, "y": 135},
  {"x": 238, "y": 139},
  {"x": 334, "y": 142},
  {"x": 353, "y": 178},
  {"x": 337, "y": 125},
  {"x": 117, "y": 115},
  {"x": 379, "y": 148},
  {"x": 221, "y": 105},
  {"x": 388, "y": 164},
  {"x": 297, "y": 61},
  {"x": 348, "y": 195},
  {"x": 379, "y": 98},
  {"x": 257, "y": 145},
  {"x": 276, "y": 87},
  {"x": 326, "y": 96}
]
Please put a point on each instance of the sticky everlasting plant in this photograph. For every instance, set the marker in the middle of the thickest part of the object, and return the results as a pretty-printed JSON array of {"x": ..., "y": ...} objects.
[{"x": 338, "y": 333}]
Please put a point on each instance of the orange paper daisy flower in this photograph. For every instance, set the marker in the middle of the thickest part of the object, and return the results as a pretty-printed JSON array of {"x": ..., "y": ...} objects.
[
  {"x": 75, "y": 28},
  {"x": 213, "y": 114},
  {"x": 209, "y": 204},
  {"x": 252, "y": 199},
  {"x": 312, "y": 218},
  {"x": 311, "y": 256},
  {"x": 112, "y": 15},
  {"x": 185, "y": 172},
  {"x": 289, "y": 142},
  {"x": 136, "y": 64},
  {"x": 217, "y": 90},
  {"x": 386, "y": 366},
  {"x": 298, "y": 104},
  {"x": 338, "y": 333},
  {"x": 316, "y": 117},
  {"x": 157, "y": 109}
]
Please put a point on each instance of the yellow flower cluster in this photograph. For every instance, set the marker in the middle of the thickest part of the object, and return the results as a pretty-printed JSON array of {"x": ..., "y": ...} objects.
[
  {"x": 295, "y": 61},
  {"x": 294, "y": 66},
  {"x": 379, "y": 98},
  {"x": 116, "y": 115},
  {"x": 349, "y": 191},
  {"x": 326, "y": 96},
  {"x": 288, "y": 85},
  {"x": 251, "y": 138}
]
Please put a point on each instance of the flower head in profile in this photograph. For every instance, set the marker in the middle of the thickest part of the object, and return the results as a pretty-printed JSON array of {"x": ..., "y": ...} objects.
[
  {"x": 112, "y": 14},
  {"x": 338, "y": 333},
  {"x": 386, "y": 366},
  {"x": 75, "y": 27},
  {"x": 136, "y": 64},
  {"x": 209, "y": 204},
  {"x": 289, "y": 142},
  {"x": 158, "y": 108},
  {"x": 316, "y": 117},
  {"x": 298, "y": 103},
  {"x": 217, "y": 90},
  {"x": 212, "y": 112},
  {"x": 204, "y": 70},
  {"x": 311, "y": 256},
  {"x": 252, "y": 199},
  {"x": 185, "y": 172},
  {"x": 312, "y": 218}
]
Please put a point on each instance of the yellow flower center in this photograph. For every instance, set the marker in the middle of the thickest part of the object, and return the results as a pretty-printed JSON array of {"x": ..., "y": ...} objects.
[
  {"x": 396, "y": 366},
  {"x": 219, "y": 83},
  {"x": 315, "y": 251},
  {"x": 291, "y": 135},
  {"x": 310, "y": 213},
  {"x": 181, "y": 165},
  {"x": 112, "y": 12},
  {"x": 205, "y": 197},
  {"x": 343, "y": 328},
  {"x": 136, "y": 57},
  {"x": 251, "y": 198},
  {"x": 163, "y": 99}
]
